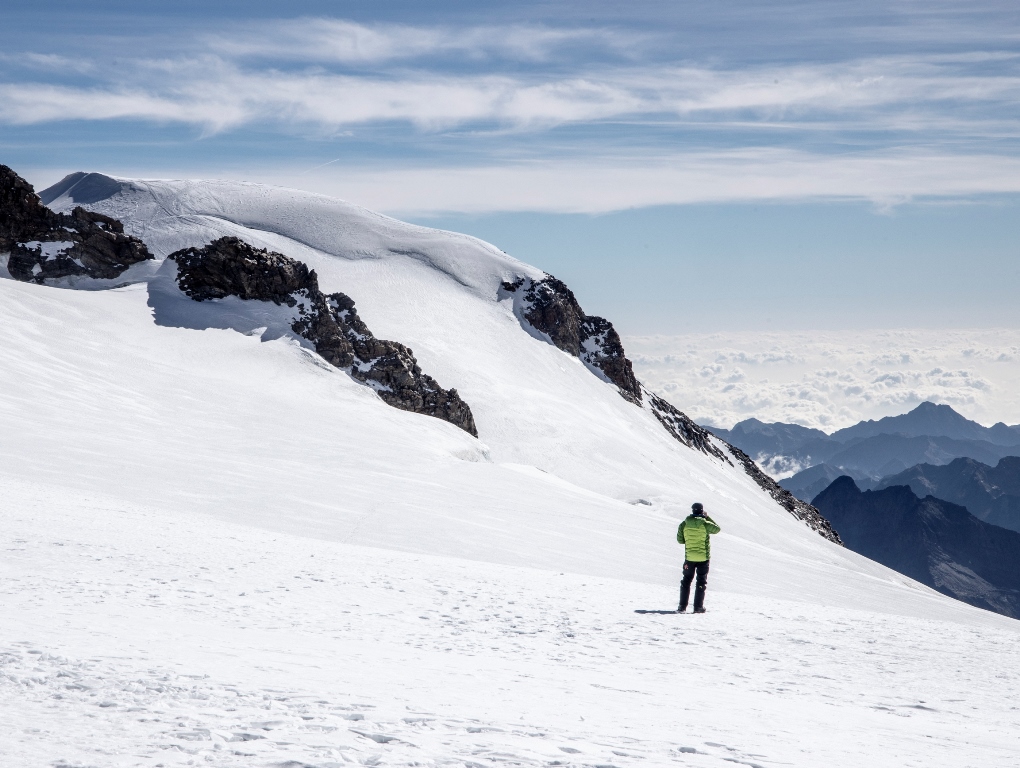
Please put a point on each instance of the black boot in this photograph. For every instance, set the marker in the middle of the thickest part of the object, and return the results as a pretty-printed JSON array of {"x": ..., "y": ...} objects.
[{"x": 699, "y": 598}]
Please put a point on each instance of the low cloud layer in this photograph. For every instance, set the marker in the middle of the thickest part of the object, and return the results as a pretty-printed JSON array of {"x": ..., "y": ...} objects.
[
  {"x": 613, "y": 183},
  {"x": 832, "y": 379}
]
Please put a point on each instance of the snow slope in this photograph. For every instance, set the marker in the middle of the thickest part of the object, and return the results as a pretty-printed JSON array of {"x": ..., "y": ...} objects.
[{"x": 135, "y": 453}]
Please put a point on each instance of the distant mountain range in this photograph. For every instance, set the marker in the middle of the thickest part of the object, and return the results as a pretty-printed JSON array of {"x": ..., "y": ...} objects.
[
  {"x": 991, "y": 494},
  {"x": 870, "y": 450},
  {"x": 930, "y": 540}
]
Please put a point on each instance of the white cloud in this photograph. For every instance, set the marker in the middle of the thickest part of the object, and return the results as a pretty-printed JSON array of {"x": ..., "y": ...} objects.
[
  {"x": 888, "y": 93},
  {"x": 326, "y": 40},
  {"x": 831, "y": 379},
  {"x": 941, "y": 117},
  {"x": 609, "y": 184}
]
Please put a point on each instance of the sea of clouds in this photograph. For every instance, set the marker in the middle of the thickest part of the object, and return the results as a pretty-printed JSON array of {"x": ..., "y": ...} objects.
[{"x": 832, "y": 379}]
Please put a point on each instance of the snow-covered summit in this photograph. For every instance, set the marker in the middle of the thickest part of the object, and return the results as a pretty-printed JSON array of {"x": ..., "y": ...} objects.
[{"x": 173, "y": 214}]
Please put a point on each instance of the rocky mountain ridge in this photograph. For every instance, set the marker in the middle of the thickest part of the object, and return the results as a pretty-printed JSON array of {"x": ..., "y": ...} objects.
[
  {"x": 232, "y": 267},
  {"x": 930, "y": 433},
  {"x": 550, "y": 307},
  {"x": 990, "y": 493},
  {"x": 930, "y": 540},
  {"x": 42, "y": 245}
]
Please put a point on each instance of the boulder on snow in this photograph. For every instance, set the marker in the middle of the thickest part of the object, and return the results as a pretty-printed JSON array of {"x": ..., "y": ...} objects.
[
  {"x": 43, "y": 245},
  {"x": 231, "y": 267},
  {"x": 551, "y": 308}
]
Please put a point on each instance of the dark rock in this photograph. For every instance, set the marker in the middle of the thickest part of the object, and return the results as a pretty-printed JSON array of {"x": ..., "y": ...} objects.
[
  {"x": 697, "y": 437},
  {"x": 930, "y": 540},
  {"x": 44, "y": 245},
  {"x": 683, "y": 428},
  {"x": 806, "y": 513},
  {"x": 551, "y": 308},
  {"x": 231, "y": 267}
]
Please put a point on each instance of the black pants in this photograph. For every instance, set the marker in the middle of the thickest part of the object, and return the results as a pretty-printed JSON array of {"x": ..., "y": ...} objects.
[{"x": 690, "y": 569}]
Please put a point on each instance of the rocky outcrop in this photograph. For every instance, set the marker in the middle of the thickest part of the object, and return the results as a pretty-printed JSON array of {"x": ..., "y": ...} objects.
[
  {"x": 697, "y": 437},
  {"x": 803, "y": 511},
  {"x": 231, "y": 267},
  {"x": 43, "y": 245},
  {"x": 683, "y": 428},
  {"x": 551, "y": 308}
]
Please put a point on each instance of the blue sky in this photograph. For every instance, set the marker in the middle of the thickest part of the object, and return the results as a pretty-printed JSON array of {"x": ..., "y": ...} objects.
[{"x": 684, "y": 166}]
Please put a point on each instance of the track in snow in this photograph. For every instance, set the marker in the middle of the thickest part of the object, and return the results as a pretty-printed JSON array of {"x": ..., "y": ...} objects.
[{"x": 132, "y": 638}]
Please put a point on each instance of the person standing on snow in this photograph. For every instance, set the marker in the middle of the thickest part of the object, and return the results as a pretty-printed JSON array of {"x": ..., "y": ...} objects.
[{"x": 693, "y": 534}]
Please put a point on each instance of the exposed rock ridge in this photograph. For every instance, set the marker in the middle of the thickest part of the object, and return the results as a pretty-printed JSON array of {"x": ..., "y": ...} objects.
[
  {"x": 231, "y": 267},
  {"x": 682, "y": 428},
  {"x": 44, "y": 245},
  {"x": 803, "y": 511},
  {"x": 697, "y": 437},
  {"x": 550, "y": 307}
]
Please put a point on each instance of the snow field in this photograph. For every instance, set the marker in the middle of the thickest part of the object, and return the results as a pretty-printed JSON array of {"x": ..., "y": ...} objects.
[
  {"x": 211, "y": 537},
  {"x": 135, "y": 638},
  {"x": 99, "y": 399}
]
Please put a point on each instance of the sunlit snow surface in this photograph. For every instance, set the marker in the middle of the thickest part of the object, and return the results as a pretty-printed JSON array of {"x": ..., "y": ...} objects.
[{"x": 212, "y": 538}]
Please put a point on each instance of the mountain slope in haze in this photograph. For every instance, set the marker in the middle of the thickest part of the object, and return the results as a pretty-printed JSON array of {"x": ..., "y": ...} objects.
[
  {"x": 930, "y": 433},
  {"x": 931, "y": 420},
  {"x": 773, "y": 439},
  {"x": 883, "y": 455},
  {"x": 809, "y": 482},
  {"x": 933, "y": 541},
  {"x": 989, "y": 493}
]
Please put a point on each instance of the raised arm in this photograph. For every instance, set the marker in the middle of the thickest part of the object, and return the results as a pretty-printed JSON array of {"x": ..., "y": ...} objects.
[{"x": 711, "y": 525}]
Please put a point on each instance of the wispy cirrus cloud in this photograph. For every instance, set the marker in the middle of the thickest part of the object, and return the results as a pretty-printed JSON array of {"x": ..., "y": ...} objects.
[
  {"x": 584, "y": 117},
  {"x": 326, "y": 40},
  {"x": 885, "y": 178},
  {"x": 880, "y": 94}
]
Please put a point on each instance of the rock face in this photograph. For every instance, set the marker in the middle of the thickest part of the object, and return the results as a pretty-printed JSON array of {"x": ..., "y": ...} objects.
[
  {"x": 231, "y": 267},
  {"x": 933, "y": 541},
  {"x": 551, "y": 308},
  {"x": 683, "y": 428},
  {"x": 44, "y": 245},
  {"x": 697, "y": 437},
  {"x": 809, "y": 514}
]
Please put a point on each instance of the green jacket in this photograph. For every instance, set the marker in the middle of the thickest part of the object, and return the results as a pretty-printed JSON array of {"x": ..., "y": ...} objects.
[{"x": 693, "y": 534}]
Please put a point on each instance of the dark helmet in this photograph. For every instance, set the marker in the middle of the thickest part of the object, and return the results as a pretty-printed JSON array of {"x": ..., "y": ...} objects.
[{"x": 697, "y": 508}]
